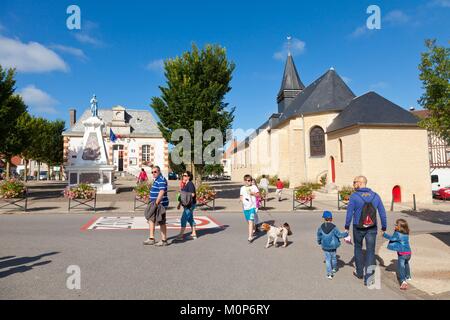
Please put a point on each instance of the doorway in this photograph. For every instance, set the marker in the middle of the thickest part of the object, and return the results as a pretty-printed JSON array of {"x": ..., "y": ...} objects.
[
  {"x": 397, "y": 194},
  {"x": 118, "y": 157},
  {"x": 333, "y": 170}
]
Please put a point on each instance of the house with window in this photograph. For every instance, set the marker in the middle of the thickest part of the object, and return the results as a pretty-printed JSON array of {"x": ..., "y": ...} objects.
[
  {"x": 324, "y": 129},
  {"x": 132, "y": 139},
  {"x": 439, "y": 156}
]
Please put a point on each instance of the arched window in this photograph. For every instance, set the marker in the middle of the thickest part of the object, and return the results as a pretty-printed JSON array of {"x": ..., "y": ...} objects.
[
  {"x": 317, "y": 142},
  {"x": 341, "y": 150}
]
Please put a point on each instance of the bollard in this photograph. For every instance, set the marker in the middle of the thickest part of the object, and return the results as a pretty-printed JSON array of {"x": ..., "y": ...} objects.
[
  {"x": 392, "y": 205},
  {"x": 414, "y": 202}
]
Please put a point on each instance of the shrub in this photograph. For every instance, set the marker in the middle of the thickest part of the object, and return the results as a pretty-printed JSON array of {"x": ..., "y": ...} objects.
[
  {"x": 12, "y": 188},
  {"x": 81, "y": 191},
  {"x": 346, "y": 192},
  {"x": 205, "y": 193},
  {"x": 142, "y": 190},
  {"x": 313, "y": 186},
  {"x": 323, "y": 179},
  {"x": 304, "y": 193}
]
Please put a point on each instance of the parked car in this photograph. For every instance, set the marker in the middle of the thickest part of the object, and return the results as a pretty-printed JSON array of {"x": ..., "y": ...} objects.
[
  {"x": 442, "y": 193},
  {"x": 439, "y": 179},
  {"x": 43, "y": 175},
  {"x": 173, "y": 176}
]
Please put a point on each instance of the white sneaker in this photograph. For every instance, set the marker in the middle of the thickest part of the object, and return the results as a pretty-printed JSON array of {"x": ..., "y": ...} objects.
[{"x": 330, "y": 277}]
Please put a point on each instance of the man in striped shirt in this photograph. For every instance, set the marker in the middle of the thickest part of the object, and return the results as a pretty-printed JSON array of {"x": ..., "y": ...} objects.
[{"x": 158, "y": 195}]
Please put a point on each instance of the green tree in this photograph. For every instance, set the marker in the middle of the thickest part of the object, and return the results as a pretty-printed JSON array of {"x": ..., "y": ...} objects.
[
  {"x": 197, "y": 83},
  {"x": 52, "y": 145},
  {"x": 435, "y": 75},
  {"x": 13, "y": 113}
]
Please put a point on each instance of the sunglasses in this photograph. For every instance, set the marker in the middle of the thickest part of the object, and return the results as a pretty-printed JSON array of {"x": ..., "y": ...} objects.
[
  {"x": 185, "y": 175},
  {"x": 154, "y": 171},
  {"x": 248, "y": 180}
]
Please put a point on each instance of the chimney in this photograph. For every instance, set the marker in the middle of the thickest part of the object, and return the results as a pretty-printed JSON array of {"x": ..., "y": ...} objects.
[{"x": 73, "y": 117}]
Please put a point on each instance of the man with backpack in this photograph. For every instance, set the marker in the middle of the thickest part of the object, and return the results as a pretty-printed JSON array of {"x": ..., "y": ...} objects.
[{"x": 362, "y": 209}]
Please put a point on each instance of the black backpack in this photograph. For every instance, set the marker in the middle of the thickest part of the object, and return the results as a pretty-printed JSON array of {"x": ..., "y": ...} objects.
[{"x": 368, "y": 216}]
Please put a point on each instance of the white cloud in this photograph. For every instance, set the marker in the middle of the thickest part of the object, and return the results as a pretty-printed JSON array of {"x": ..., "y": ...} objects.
[
  {"x": 441, "y": 3},
  {"x": 347, "y": 80},
  {"x": 38, "y": 100},
  {"x": 156, "y": 65},
  {"x": 297, "y": 47},
  {"x": 78, "y": 53},
  {"x": 86, "y": 34},
  {"x": 360, "y": 32},
  {"x": 379, "y": 85},
  {"x": 87, "y": 39},
  {"x": 29, "y": 57},
  {"x": 396, "y": 17}
]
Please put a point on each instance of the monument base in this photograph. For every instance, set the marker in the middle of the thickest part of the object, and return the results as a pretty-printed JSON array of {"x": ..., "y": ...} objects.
[{"x": 99, "y": 176}]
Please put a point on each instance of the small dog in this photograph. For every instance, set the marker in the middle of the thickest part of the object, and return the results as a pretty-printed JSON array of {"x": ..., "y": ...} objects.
[{"x": 274, "y": 232}]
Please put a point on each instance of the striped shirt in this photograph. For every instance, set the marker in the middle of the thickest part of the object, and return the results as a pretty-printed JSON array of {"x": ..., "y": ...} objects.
[{"x": 159, "y": 184}]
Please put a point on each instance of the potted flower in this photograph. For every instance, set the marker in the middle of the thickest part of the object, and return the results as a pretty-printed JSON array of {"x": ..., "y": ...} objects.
[
  {"x": 81, "y": 191},
  {"x": 304, "y": 193},
  {"x": 345, "y": 193},
  {"x": 142, "y": 191},
  {"x": 12, "y": 189},
  {"x": 205, "y": 193},
  {"x": 262, "y": 193}
]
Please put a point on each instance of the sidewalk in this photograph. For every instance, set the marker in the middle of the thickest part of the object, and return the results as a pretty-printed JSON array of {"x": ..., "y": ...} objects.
[{"x": 47, "y": 197}]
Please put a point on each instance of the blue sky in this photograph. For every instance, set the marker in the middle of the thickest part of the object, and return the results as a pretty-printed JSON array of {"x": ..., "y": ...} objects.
[{"x": 117, "y": 53}]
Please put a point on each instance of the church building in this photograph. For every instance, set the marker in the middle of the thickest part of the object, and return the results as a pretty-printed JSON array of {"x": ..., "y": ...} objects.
[{"x": 323, "y": 129}]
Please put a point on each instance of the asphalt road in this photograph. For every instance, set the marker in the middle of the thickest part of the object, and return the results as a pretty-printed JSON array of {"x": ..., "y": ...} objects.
[{"x": 36, "y": 250}]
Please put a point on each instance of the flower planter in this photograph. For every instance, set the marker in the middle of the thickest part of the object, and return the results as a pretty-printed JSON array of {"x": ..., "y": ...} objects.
[
  {"x": 13, "y": 194},
  {"x": 82, "y": 195}
]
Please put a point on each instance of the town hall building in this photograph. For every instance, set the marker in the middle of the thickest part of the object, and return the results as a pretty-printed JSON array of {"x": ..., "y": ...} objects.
[
  {"x": 323, "y": 129},
  {"x": 135, "y": 142}
]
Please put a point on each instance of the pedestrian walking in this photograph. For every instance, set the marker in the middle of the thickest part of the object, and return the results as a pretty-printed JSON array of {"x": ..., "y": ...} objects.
[
  {"x": 280, "y": 187},
  {"x": 248, "y": 195},
  {"x": 142, "y": 176},
  {"x": 362, "y": 210},
  {"x": 328, "y": 236},
  {"x": 157, "y": 208},
  {"x": 264, "y": 184},
  {"x": 257, "y": 205},
  {"x": 188, "y": 202},
  {"x": 399, "y": 242}
]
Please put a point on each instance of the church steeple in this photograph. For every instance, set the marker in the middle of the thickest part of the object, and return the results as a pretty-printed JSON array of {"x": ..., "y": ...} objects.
[{"x": 291, "y": 85}]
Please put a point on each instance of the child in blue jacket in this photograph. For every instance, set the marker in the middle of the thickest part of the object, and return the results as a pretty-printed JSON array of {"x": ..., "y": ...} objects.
[
  {"x": 399, "y": 242},
  {"x": 328, "y": 236}
]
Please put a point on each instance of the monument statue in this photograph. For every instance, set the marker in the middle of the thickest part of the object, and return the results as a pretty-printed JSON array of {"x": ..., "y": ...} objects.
[{"x": 94, "y": 106}]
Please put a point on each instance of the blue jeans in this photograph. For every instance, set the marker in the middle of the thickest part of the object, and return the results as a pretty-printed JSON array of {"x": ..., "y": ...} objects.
[
  {"x": 330, "y": 261},
  {"x": 403, "y": 267},
  {"x": 188, "y": 217},
  {"x": 365, "y": 268}
]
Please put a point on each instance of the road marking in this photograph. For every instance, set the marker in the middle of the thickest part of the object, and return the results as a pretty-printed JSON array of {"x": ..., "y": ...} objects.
[{"x": 139, "y": 223}]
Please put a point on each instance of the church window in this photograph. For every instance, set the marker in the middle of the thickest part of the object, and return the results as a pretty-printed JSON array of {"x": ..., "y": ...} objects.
[{"x": 317, "y": 142}]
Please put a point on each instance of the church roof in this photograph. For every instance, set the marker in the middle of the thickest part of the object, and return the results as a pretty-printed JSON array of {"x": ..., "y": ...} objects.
[
  {"x": 291, "y": 80},
  {"x": 372, "y": 109},
  {"x": 141, "y": 121},
  {"x": 328, "y": 93}
]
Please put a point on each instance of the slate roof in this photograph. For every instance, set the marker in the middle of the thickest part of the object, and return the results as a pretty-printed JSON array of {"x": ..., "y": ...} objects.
[
  {"x": 291, "y": 80},
  {"x": 372, "y": 109},
  {"x": 141, "y": 121},
  {"x": 328, "y": 93}
]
